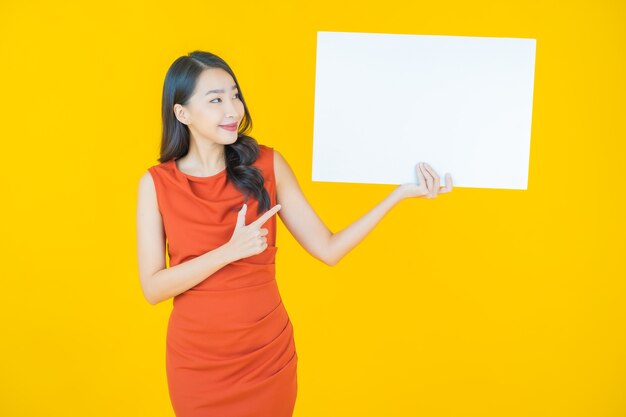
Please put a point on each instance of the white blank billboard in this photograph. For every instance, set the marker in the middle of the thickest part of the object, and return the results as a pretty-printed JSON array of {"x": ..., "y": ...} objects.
[{"x": 384, "y": 102}]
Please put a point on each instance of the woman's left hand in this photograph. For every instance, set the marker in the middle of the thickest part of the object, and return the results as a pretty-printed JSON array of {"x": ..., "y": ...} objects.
[{"x": 429, "y": 183}]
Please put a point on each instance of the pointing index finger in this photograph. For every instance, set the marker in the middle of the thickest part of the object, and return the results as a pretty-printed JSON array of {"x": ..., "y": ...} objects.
[{"x": 266, "y": 216}]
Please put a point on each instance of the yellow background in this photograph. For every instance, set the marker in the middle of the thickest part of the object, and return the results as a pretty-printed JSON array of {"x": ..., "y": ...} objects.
[{"x": 481, "y": 302}]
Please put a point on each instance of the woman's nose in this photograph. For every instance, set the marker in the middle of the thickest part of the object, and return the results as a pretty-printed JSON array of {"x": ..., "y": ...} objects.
[{"x": 231, "y": 110}]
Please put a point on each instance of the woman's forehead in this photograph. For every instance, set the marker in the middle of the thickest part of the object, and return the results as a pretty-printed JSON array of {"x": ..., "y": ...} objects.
[{"x": 214, "y": 78}]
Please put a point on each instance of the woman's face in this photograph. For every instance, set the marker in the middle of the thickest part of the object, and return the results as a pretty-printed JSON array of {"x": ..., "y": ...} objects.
[{"x": 207, "y": 109}]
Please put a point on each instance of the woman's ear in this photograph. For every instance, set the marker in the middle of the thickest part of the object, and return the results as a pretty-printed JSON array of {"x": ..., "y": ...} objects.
[{"x": 181, "y": 114}]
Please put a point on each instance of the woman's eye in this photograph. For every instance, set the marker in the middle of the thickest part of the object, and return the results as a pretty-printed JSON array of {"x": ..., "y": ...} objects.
[{"x": 236, "y": 95}]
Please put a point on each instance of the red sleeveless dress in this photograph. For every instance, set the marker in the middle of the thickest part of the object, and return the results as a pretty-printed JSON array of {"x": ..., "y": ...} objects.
[{"x": 230, "y": 343}]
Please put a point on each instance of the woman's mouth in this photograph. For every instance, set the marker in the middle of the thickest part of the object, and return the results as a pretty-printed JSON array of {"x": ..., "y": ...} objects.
[{"x": 231, "y": 127}]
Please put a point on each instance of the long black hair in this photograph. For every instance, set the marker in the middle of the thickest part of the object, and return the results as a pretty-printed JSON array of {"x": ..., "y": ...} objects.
[{"x": 180, "y": 83}]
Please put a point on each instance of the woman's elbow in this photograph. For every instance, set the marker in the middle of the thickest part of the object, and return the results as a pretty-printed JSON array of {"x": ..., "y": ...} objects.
[
  {"x": 149, "y": 298},
  {"x": 329, "y": 257},
  {"x": 331, "y": 261},
  {"x": 148, "y": 293}
]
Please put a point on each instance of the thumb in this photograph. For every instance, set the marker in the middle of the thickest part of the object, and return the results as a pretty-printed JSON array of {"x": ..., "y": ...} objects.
[{"x": 241, "y": 216}]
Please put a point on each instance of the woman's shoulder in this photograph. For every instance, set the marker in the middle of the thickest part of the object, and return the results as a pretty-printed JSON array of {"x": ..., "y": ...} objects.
[
  {"x": 266, "y": 155},
  {"x": 161, "y": 167},
  {"x": 158, "y": 173},
  {"x": 265, "y": 150},
  {"x": 265, "y": 160}
]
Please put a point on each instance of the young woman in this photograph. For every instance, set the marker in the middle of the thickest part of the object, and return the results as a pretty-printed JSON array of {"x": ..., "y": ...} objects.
[{"x": 230, "y": 347}]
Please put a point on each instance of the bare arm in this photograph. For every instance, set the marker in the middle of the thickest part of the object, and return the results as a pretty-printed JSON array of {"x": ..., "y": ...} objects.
[
  {"x": 345, "y": 240},
  {"x": 309, "y": 230},
  {"x": 158, "y": 282},
  {"x": 313, "y": 235}
]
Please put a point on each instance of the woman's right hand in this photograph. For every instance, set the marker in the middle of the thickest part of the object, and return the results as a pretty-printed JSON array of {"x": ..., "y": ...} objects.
[{"x": 248, "y": 240}]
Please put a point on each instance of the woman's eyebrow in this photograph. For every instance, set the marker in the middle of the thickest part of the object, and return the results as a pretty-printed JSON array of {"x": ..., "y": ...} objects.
[{"x": 221, "y": 90}]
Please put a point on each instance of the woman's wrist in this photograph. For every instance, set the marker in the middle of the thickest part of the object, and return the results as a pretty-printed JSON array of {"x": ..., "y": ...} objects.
[{"x": 399, "y": 193}]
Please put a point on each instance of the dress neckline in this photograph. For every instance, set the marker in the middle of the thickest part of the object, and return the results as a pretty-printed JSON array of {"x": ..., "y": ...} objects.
[{"x": 195, "y": 178}]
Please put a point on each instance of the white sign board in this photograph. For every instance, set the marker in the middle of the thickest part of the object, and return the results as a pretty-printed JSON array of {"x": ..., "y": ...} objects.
[{"x": 384, "y": 102}]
